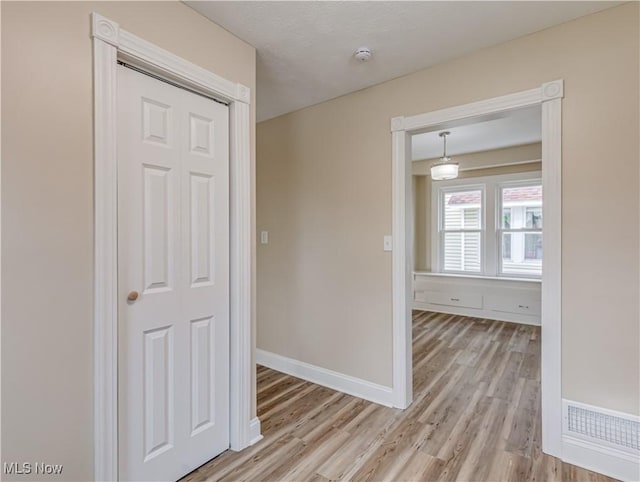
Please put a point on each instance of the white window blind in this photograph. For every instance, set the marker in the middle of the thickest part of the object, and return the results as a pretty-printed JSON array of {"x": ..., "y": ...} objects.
[{"x": 461, "y": 232}]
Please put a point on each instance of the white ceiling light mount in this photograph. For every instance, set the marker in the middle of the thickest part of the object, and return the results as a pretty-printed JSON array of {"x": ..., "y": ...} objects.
[
  {"x": 363, "y": 54},
  {"x": 444, "y": 169}
]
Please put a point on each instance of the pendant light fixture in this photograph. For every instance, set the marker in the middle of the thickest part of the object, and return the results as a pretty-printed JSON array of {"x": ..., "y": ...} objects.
[{"x": 444, "y": 169}]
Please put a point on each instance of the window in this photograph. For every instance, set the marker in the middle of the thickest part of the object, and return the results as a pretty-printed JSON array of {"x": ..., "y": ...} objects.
[
  {"x": 492, "y": 227},
  {"x": 521, "y": 229},
  {"x": 462, "y": 230}
]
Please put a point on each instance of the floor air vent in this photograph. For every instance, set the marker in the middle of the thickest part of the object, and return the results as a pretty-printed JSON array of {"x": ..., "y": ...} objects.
[{"x": 602, "y": 426}]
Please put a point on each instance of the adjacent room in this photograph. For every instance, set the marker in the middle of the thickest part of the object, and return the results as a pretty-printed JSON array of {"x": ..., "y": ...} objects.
[{"x": 317, "y": 240}]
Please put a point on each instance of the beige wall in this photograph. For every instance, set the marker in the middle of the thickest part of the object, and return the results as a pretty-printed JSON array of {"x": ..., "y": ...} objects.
[
  {"x": 47, "y": 218},
  {"x": 324, "y": 193},
  {"x": 485, "y": 159},
  {"x": 502, "y": 161},
  {"x": 422, "y": 223}
]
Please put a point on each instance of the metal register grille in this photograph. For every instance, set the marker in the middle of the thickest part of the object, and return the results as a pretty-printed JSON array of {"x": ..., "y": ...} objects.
[{"x": 614, "y": 430}]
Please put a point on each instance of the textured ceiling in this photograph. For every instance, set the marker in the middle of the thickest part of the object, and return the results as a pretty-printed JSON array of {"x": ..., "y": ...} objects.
[
  {"x": 512, "y": 128},
  {"x": 305, "y": 49}
]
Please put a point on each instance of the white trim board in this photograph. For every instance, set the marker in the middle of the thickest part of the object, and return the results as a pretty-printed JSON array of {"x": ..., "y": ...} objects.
[
  {"x": 549, "y": 95},
  {"x": 256, "y": 434},
  {"x": 327, "y": 378},
  {"x": 600, "y": 459},
  {"x": 110, "y": 44}
]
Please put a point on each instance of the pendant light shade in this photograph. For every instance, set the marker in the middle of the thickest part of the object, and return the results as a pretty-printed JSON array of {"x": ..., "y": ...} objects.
[
  {"x": 445, "y": 169},
  {"x": 442, "y": 172}
]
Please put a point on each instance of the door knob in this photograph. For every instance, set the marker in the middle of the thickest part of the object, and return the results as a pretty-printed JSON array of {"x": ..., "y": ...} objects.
[{"x": 133, "y": 295}]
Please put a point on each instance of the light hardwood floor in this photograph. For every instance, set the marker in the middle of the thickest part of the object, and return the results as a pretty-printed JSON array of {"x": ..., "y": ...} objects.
[{"x": 475, "y": 417}]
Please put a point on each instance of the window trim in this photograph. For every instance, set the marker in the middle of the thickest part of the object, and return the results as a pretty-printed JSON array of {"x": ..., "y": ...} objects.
[{"x": 490, "y": 225}]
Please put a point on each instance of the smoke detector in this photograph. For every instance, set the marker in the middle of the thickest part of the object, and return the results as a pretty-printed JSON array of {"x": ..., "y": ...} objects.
[{"x": 363, "y": 54}]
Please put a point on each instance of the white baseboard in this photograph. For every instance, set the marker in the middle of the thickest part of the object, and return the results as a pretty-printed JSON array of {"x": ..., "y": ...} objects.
[
  {"x": 475, "y": 313},
  {"x": 327, "y": 378},
  {"x": 601, "y": 459},
  {"x": 254, "y": 431}
]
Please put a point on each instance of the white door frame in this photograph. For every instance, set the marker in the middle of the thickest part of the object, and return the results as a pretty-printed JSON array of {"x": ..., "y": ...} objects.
[
  {"x": 549, "y": 96},
  {"x": 110, "y": 44}
]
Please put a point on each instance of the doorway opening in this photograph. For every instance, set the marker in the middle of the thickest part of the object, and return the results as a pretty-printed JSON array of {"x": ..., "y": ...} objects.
[{"x": 493, "y": 245}]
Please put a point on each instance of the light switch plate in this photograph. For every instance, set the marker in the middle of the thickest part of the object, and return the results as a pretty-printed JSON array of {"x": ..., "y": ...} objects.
[
  {"x": 388, "y": 243},
  {"x": 264, "y": 237}
]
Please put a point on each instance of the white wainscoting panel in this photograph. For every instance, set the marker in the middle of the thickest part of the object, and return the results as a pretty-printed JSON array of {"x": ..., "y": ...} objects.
[{"x": 327, "y": 378}]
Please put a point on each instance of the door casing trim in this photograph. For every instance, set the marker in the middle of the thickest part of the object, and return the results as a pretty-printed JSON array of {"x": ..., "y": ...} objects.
[
  {"x": 549, "y": 96},
  {"x": 110, "y": 44}
]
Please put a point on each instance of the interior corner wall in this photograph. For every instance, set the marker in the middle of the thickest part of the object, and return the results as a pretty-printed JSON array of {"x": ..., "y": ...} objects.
[
  {"x": 324, "y": 194},
  {"x": 47, "y": 210}
]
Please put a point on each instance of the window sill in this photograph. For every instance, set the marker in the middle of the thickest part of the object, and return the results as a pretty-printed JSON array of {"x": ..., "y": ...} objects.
[{"x": 480, "y": 277}]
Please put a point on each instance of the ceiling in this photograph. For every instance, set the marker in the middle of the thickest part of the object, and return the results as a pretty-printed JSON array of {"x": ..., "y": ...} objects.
[
  {"x": 305, "y": 49},
  {"x": 508, "y": 129}
]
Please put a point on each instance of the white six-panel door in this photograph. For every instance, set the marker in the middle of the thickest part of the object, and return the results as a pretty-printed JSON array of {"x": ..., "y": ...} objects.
[{"x": 173, "y": 252}]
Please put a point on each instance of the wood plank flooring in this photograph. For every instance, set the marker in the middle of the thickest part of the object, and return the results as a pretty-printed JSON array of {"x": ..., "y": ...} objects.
[{"x": 475, "y": 417}]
